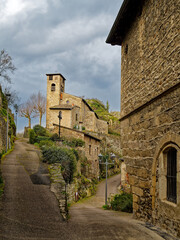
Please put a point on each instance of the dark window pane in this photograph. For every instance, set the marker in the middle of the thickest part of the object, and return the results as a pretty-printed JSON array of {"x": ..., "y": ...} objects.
[
  {"x": 172, "y": 175},
  {"x": 53, "y": 87}
]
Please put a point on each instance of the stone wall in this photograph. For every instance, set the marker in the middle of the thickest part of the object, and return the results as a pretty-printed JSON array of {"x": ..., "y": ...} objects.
[
  {"x": 150, "y": 54},
  {"x": 150, "y": 107},
  {"x": 2, "y": 128},
  {"x": 141, "y": 134},
  {"x": 69, "y": 193},
  {"x": 102, "y": 126},
  {"x": 92, "y": 149}
]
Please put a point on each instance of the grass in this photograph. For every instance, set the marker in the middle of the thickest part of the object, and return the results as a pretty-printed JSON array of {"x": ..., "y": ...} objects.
[{"x": 1, "y": 179}]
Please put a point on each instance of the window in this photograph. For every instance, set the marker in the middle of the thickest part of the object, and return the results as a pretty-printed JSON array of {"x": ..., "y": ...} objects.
[
  {"x": 76, "y": 117},
  {"x": 126, "y": 49},
  {"x": 89, "y": 149},
  {"x": 62, "y": 88},
  {"x": 169, "y": 173},
  {"x": 53, "y": 87},
  {"x": 172, "y": 175},
  {"x": 51, "y": 77}
]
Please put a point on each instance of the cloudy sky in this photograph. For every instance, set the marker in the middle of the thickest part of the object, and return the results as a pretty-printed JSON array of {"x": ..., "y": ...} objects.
[{"x": 62, "y": 36}]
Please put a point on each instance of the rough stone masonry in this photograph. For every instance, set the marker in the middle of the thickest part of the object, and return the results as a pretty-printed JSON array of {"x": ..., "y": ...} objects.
[{"x": 148, "y": 32}]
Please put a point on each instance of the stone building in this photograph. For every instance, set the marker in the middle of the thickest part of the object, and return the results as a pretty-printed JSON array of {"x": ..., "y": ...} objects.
[
  {"x": 76, "y": 113},
  {"x": 147, "y": 32},
  {"x": 91, "y": 149}
]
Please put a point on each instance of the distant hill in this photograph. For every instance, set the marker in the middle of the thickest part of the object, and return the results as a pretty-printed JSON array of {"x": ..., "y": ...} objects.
[{"x": 102, "y": 111}]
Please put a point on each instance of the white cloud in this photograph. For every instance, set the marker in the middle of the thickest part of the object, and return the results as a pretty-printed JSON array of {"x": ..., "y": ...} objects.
[
  {"x": 10, "y": 9},
  {"x": 66, "y": 36}
]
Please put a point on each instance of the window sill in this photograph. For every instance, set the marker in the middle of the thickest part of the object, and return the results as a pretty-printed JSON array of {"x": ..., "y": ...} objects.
[{"x": 169, "y": 203}]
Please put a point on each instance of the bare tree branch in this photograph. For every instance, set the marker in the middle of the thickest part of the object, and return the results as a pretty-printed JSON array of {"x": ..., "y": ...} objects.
[
  {"x": 27, "y": 110},
  {"x": 39, "y": 103},
  {"x": 6, "y": 65},
  {"x": 13, "y": 97}
]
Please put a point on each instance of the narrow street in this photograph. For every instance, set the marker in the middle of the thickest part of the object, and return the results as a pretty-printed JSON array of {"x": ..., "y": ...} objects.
[{"x": 30, "y": 211}]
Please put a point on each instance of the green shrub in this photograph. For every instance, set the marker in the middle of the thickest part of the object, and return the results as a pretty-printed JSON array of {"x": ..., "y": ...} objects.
[
  {"x": 64, "y": 156},
  {"x": 1, "y": 153},
  {"x": 75, "y": 153},
  {"x": 42, "y": 138},
  {"x": 122, "y": 202},
  {"x": 55, "y": 137},
  {"x": 3, "y": 112},
  {"x": 73, "y": 142},
  {"x": 36, "y": 144},
  {"x": 106, "y": 207},
  {"x": 39, "y": 130},
  {"x": 77, "y": 142},
  {"x": 32, "y": 136},
  {"x": 46, "y": 143}
]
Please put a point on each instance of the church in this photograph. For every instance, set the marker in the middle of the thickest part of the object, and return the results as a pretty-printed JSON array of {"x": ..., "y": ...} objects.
[{"x": 75, "y": 111}]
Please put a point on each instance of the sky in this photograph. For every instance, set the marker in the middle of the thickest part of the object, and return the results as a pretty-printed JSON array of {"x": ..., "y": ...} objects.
[{"x": 62, "y": 36}]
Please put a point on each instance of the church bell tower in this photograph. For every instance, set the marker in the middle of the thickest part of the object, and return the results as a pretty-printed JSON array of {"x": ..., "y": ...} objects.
[{"x": 55, "y": 88}]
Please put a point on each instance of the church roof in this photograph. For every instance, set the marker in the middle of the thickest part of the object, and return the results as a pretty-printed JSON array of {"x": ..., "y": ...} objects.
[
  {"x": 74, "y": 130},
  {"x": 63, "y": 107},
  {"x": 52, "y": 74},
  {"x": 127, "y": 13},
  {"x": 84, "y": 101},
  {"x": 90, "y": 108}
]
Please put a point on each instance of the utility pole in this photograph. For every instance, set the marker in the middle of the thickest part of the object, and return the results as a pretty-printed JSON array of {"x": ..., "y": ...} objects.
[
  {"x": 106, "y": 158},
  {"x": 60, "y": 117}
]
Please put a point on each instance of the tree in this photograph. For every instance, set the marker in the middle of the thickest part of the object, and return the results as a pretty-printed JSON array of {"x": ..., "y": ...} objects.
[
  {"x": 107, "y": 106},
  {"x": 39, "y": 103},
  {"x": 6, "y": 65},
  {"x": 27, "y": 110},
  {"x": 13, "y": 98}
]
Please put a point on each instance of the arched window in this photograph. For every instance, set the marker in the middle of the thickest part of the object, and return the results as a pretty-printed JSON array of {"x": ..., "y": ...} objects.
[
  {"x": 53, "y": 87},
  {"x": 171, "y": 174},
  {"x": 168, "y": 174}
]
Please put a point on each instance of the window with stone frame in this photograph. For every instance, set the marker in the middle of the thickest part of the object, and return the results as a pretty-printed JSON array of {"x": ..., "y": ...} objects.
[
  {"x": 50, "y": 77},
  {"x": 89, "y": 149},
  {"x": 53, "y": 87},
  {"x": 169, "y": 173},
  {"x": 172, "y": 175}
]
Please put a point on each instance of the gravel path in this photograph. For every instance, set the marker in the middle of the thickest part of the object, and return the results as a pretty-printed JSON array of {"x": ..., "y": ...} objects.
[{"x": 30, "y": 210}]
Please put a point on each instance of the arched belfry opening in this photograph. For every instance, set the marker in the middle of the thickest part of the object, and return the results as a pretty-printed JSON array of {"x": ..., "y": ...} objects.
[{"x": 53, "y": 87}]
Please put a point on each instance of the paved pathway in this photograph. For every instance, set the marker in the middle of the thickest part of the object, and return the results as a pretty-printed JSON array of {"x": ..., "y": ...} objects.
[{"x": 30, "y": 211}]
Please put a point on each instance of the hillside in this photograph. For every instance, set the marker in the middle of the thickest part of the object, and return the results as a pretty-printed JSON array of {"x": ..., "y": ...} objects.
[{"x": 102, "y": 110}]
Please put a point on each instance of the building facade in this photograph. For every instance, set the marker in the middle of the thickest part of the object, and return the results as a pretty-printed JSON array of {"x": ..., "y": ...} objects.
[
  {"x": 76, "y": 113},
  {"x": 147, "y": 32}
]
